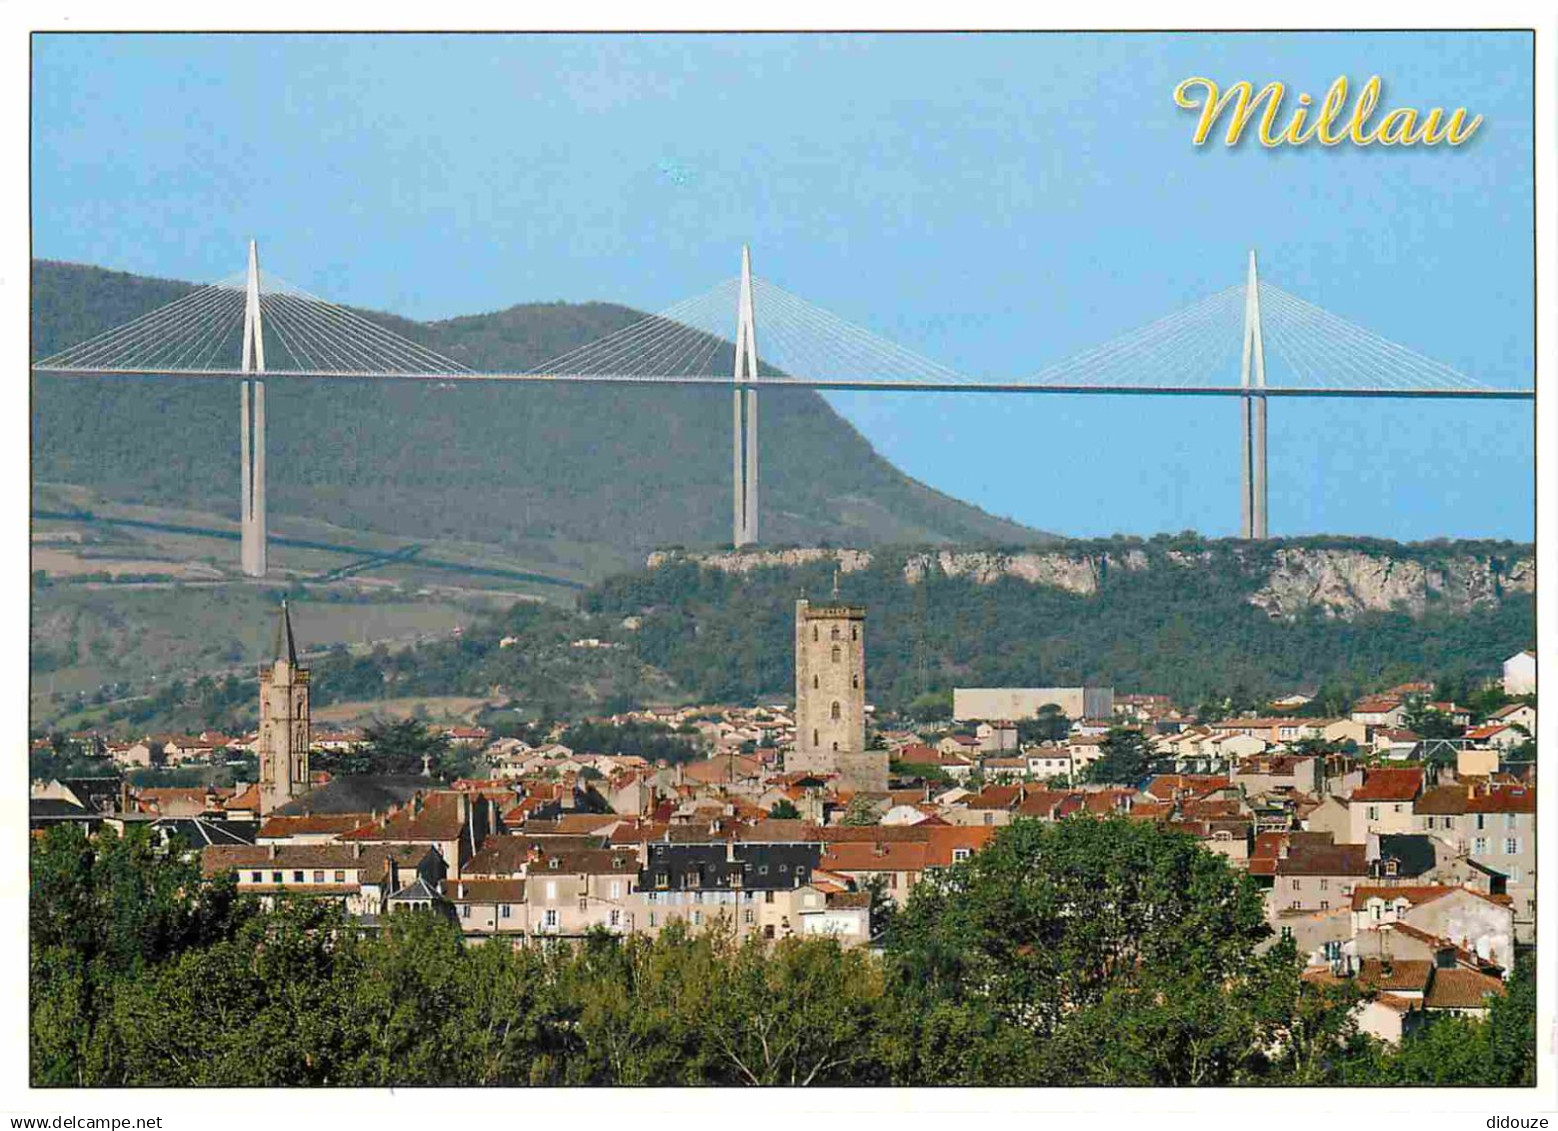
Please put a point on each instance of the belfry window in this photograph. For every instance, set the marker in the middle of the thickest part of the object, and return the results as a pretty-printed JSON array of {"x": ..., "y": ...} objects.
[
  {"x": 834, "y": 635},
  {"x": 834, "y": 713},
  {"x": 815, "y": 738},
  {"x": 814, "y": 635},
  {"x": 835, "y": 653},
  {"x": 814, "y": 683},
  {"x": 854, "y": 680}
]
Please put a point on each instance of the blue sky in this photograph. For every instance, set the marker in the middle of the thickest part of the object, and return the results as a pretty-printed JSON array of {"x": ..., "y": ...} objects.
[{"x": 996, "y": 202}]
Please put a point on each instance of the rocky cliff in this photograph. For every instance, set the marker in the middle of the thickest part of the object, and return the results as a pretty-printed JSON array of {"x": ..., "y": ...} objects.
[{"x": 1285, "y": 580}]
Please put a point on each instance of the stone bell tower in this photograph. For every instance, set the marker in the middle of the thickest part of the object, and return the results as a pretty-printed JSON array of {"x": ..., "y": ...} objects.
[
  {"x": 284, "y": 738},
  {"x": 830, "y": 697}
]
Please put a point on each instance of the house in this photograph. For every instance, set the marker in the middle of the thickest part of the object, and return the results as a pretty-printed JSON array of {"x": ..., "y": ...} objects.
[
  {"x": 1004, "y": 769},
  {"x": 1234, "y": 746},
  {"x": 1046, "y": 762},
  {"x": 1085, "y": 750},
  {"x": 570, "y": 892},
  {"x": 1482, "y": 924},
  {"x": 1228, "y": 838},
  {"x": 1494, "y": 824},
  {"x": 897, "y": 864},
  {"x": 1292, "y": 771},
  {"x": 1311, "y": 881},
  {"x": 842, "y": 915},
  {"x": 488, "y": 908},
  {"x": 142, "y": 755},
  {"x": 992, "y": 806},
  {"x": 94, "y": 795},
  {"x": 1339, "y": 731},
  {"x": 1383, "y": 803},
  {"x": 1404, "y": 991},
  {"x": 1330, "y": 815},
  {"x": 1049, "y": 804},
  {"x": 904, "y": 814},
  {"x": 1311, "y": 872},
  {"x": 1270, "y": 730},
  {"x": 997, "y": 737},
  {"x": 1380, "y": 711},
  {"x": 1455, "y": 714},
  {"x": 753, "y": 886},
  {"x": 1520, "y": 674},
  {"x": 1395, "y": 742},
  {"x": 452, "y": 821},
  {"x": 1499, "y": 736},
  {"x": 360, "y": 877},
  {"x": 1516, "y": 715}
]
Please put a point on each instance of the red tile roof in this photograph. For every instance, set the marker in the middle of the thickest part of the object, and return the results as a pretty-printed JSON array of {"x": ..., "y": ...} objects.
[
  {"x": 994, "y": 797},
  {"x": 1389, "y": 785},
  {"x": 486, "y": 891},
  {"x": 1398, "y": 974},
  {"x": 882, "y": 856},
  {"x": 1461, "y": 989}
]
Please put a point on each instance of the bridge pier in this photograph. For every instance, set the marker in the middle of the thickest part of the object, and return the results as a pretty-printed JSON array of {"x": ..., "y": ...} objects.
[
  {"x": 744, "y": 421},
  {"x": 1252, "y": 376},
  {"x": 251, "y": 462}
]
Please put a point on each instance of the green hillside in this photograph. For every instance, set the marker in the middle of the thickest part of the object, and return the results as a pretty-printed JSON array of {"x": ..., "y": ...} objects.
[
  {"x": 1185, "y": 631},
  {"x": 619, "y": 470}
]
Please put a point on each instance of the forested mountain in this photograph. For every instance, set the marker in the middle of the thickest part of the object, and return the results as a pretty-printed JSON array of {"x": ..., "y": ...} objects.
[
  {"x": 620, "y": 470},
  {"x": 1183, "y": 616},
  {"x": 1186, "y": 617}
]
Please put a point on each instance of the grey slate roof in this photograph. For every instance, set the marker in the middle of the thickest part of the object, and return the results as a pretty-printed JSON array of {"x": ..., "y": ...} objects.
[
  {"x": 356, "y": 794},
  {"x": 1413, "y": 852},
  {"x": 417, "y": 889},
  {"x": 197, "y": 832}
]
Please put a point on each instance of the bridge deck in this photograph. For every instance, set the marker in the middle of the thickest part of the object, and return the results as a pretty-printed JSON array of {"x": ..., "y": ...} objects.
[{"x": 822, "y": 383}]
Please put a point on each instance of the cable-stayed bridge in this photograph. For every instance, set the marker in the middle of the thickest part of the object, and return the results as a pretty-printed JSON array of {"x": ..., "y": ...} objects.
[{"x": 253, "y": 326}]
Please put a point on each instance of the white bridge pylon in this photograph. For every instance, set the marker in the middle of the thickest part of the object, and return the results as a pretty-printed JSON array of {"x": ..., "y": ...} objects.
[{"x": 254, "y": 324}]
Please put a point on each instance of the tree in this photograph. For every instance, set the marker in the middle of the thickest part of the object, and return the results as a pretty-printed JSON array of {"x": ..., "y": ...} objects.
[
  {"x": 1429, "y": 722},
  {"x": 784, "y": 810},
  {"x": 802, "y": 1013},
  {"x": 860, "y": 811},
  {"x": 1048, "y": 725},
  {"x": 1125, "y": 755},
  {"x": 398, "y": 746},
  {"x": 883, "y": 906},
  {"x": 101, "y": 911},
  {"x": 931, "y": 707},
  {"x": 1127, "y": 953}
]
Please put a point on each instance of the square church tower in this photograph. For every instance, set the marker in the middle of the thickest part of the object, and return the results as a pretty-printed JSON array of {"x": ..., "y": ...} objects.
[
  {"x": 284, "y": 722},
  {"x": 830, "y": 698}
]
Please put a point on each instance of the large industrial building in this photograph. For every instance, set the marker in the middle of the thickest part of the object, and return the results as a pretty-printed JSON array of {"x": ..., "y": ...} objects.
[{"x": 1024, "y": 702}]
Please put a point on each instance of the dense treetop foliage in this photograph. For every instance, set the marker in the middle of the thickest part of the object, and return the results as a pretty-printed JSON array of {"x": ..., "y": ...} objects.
[{"x": 1087, "y": 952}]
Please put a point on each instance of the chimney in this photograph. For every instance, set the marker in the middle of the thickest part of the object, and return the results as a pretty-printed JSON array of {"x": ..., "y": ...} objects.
[
  {"x": 356, "y": 850},
  {"x": 272, "y": 847}
]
